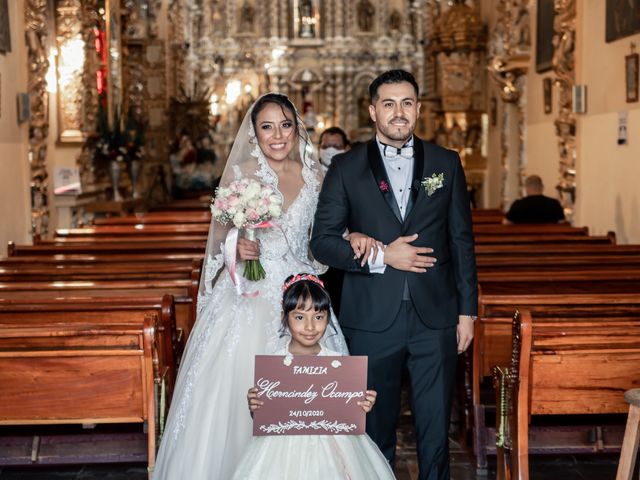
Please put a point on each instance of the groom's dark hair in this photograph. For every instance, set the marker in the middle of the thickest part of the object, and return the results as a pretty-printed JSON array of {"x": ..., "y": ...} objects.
[{"x": 391, "y": 76}]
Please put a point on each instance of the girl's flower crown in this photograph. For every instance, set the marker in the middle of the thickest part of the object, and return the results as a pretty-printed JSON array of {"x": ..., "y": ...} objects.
[{"x": 300, "y": 277}]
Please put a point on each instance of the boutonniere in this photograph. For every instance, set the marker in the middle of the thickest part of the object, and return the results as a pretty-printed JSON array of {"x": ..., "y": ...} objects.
[
  {"x": 383, "y": 186},
  {"x": 432, "y": 183}
]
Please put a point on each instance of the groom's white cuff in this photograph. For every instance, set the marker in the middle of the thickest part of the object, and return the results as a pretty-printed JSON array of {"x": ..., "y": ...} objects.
[{"x": 378, "y": 266}]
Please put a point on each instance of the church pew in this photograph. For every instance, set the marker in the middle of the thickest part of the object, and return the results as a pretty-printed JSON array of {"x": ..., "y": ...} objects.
[
  {"x": 184, "y": 291},
  {"x": 189, "y": 204},
  {"x": 142, "y": 238},
  {"x": 566, "y": 367},
  {"x": 75, "y": 259},
  {"x": 152, "y": 218},
  {"x": 102, "y": 271},
  {"x": 487, "y": 216},
  {"x": 532, "y": 239},
  {"x": 91, "y": 311},
  {"x": 542, "y": 229},
  {"x": 140, "y": 229},
  {"x": 522, "y": 262},
  {"x": 567, "y": 249},
  {"x": 109, "y": 247},
  {"x": 81, "y": 374},
  {"x": 492, "y": 334}
]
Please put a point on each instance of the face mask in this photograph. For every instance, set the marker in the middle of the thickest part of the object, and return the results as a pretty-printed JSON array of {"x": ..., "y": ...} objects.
[{"x": 326, "y": 154}]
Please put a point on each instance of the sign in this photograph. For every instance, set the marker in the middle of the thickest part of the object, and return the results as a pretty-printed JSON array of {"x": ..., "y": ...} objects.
[{"x": 310, "y": 395}]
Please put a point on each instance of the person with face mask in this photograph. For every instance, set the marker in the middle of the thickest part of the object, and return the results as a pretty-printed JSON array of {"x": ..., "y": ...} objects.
[{"x": 332, "y": 142}]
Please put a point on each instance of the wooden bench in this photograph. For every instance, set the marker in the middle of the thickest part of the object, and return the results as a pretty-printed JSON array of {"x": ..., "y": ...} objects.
[
  {"x": 562, "y": 366},
  {"x": 492, "y": 336},
  {"x": 157, "y": 218},
  {"x": 532, "y": 240},
  {"x": 184, "y": 291},
  {"x": 81, "y": 373},
  {"x": 111, "y": 310},
  {"x": 545, "y": 249},
  {"x": 542, "y": 229},
  {"x": 109, "y": 248},
  {"x": 139, "y": 229}
]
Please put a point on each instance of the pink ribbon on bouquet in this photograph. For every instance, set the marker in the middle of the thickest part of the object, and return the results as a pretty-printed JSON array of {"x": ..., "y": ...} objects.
[{"x": 230, "y": 260}]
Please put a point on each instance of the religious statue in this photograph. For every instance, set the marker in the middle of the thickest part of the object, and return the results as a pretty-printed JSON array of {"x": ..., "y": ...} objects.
[
  {"x": 306, "y": 19},
  {"x": 366, "y": 12},
  {"x": 247, "y": 14},
  {"x": 395, "y": 21}
]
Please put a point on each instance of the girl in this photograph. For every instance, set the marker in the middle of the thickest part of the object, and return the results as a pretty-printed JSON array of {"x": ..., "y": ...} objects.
[{"x": 305, "y": 318}]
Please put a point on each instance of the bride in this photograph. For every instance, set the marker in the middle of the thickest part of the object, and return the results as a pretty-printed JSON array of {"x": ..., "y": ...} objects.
[{"x": 208, "y": 426}]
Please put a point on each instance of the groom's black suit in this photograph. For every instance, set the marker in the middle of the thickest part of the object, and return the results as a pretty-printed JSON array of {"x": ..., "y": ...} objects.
[{"x": 376, "y": 314}]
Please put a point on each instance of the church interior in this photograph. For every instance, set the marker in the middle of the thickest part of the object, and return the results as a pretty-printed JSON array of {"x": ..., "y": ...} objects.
[{"x": 116, "y": 120}]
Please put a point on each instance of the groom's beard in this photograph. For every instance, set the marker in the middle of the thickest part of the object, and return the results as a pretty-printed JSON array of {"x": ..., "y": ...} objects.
[{"x": 399, "y": 132}]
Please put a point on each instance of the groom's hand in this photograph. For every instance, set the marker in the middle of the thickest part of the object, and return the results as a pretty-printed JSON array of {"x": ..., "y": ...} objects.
[
  {"x": 465, "y": 332},
  {"x": 400, "y": 255}
]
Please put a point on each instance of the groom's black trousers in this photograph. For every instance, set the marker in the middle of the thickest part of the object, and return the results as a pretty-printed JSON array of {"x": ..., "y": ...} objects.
[{"x": 430, "y": 356}]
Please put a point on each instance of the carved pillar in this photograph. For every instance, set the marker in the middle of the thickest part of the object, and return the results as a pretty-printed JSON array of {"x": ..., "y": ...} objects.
[
  {"x": 35, "y": 12},
  {"x": 564, "y": 70},
  {"x": 510, "y": 51}
]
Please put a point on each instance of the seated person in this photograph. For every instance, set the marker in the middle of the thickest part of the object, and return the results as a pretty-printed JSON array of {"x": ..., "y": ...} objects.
[{"x": 535, "y": 207}]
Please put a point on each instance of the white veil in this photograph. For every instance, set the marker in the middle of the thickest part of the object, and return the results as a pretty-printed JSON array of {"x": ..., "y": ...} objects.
[{"x": 245, "y": 160}]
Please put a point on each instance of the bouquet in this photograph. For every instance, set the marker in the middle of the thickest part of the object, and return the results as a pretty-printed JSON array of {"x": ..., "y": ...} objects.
[{"x": 248, "y": 204}]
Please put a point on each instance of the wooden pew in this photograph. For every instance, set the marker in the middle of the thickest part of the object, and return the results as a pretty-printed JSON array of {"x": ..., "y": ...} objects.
[
  {"x": 533, "y": 240},
  {"x": 492, "y": 336},
  {"x": 545, "y": 249},
  {"x": 157, "y": 218},
  {"x": 553, "y": 261},
  {"x": 108, "y": 248},
  {"x": 101, "y": 271},
  {"x": 80, "y": 259},
  {"x": 140, "y": 229},
  {"x": 562, "y": 366},
  {"x": 81, "y": 373},
  {"x": 110, "y": 310},
  {"x": 542, "y": 229},
  {"x": 184, "y": 291}
]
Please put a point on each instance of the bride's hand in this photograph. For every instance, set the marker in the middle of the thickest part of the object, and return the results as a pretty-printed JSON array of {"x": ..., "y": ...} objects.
[
  {"x": 369, "y": 400},
  {"x": 362, "y": 245},
  {"x": 248, "y": 250},
  {"x": 253, "y": 400}
]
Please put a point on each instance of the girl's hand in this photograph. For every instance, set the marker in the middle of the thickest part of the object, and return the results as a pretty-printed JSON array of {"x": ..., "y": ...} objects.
[
  {"x": 253, "y": 400},
  {"x": 248, "y": 250},
  {"x": 362, "y": 246},
  {"x": 369, "y": 400}
]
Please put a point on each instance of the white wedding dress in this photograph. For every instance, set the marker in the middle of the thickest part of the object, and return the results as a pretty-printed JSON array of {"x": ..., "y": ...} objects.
[
  {"x": 209, "y": 426},
  {"x": 313, "y": 457}
]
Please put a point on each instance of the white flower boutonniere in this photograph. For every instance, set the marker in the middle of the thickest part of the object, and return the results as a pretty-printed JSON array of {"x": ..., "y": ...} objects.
[{"x": 432, "y": 183}]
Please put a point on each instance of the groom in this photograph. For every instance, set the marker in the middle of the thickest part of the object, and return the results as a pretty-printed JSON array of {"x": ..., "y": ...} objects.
[{"x": 403, "y": 307}]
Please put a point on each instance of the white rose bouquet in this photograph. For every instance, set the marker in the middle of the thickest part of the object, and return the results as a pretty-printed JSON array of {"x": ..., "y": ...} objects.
[{"x": 249, "y": 205}]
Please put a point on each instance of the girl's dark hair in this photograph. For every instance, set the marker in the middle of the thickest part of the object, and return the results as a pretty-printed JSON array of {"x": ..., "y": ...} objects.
[
  {"x": 281, "y": 100},
  {"x": 302, "y": 293}
]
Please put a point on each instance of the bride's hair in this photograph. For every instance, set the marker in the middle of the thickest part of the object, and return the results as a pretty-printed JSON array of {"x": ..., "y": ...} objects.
[
  {"x": 304, "y": 290},
  {"x": 288, "y": 110}
]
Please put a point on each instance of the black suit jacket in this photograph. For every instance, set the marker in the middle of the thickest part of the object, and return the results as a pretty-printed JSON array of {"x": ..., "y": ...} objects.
[{"x": 352, "y": 198}]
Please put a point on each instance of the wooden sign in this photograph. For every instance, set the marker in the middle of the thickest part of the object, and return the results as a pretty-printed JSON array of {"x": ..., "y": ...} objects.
[{"x": 310, "y": 395}]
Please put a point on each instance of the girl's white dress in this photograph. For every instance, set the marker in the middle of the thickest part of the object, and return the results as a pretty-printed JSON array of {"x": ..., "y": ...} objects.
[
  {"x": 313, "y": 457},
  {"x": 209, "y": 426}
]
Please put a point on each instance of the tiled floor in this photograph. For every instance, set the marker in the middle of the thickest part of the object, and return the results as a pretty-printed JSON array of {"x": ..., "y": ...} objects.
[{"x": 601, "y": 467}]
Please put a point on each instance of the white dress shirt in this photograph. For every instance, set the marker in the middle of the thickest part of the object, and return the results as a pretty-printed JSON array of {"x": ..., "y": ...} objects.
[{"x": 400, "y": 172}]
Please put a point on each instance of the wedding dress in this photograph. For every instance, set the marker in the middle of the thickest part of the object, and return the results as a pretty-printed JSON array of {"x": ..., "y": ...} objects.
[{"x": 209, "y": 426}]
